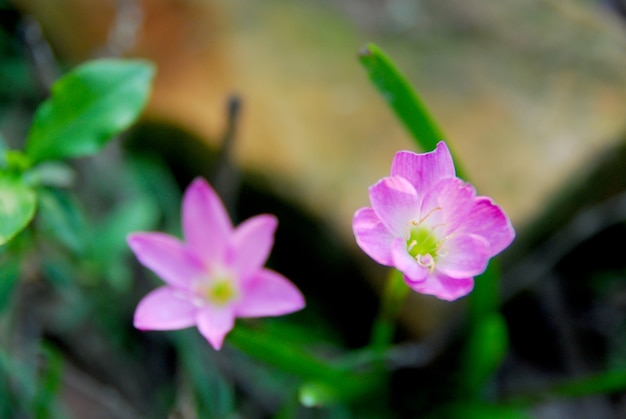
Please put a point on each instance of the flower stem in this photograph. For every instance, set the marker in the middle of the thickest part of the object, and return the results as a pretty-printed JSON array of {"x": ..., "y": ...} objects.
[{"x": 393, "y": 297}]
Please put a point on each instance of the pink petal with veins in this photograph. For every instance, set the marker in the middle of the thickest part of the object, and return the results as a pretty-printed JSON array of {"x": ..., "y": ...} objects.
[
  {"x": 395, "y": 202},
  {"x": 372, "y": 236},
  {"x": 464, "y": 256},
  {"x": 489, "y": 221},
  {"x": 443, "y": 287},
  {"x": 424, "y": 170}
]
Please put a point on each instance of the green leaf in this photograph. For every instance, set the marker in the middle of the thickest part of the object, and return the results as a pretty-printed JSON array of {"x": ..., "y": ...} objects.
[
  {"x": 9, "y": 276},
  {"x": 486, "y": 347},
  {"x": 477, "y": 410},
  {"x": 485, "y": 298},
  {"x": 17, "y": 206},
  {"x": 44, "y": 403},
  {"x": 399, "y": 94},
  {"x": 89, "y": 106},
  {"x": 323, "y": 382},
  {"x": 108, "y": 245},
  {"x": 606, "y": 382},
  {"x": 403, "y": 100},
  {"x": 61, "y": 215}
]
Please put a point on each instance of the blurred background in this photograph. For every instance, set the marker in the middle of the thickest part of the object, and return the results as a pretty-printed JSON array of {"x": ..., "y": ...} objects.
[{"x": 531, "y": 95}]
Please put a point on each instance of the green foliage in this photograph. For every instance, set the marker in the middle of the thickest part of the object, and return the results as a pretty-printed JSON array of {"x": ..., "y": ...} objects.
[
  {"x": 30, "y": 390},
  {"x": 88, "y": 107},
  {"x": 107, "y": 241},
  {"x": 324, "y": 383},
  {"x": 17, "y": 205},
  {"x": 9, "y": 276},
  {"x": 474, "y": 410},
  {"x": 485, "y": 349}
]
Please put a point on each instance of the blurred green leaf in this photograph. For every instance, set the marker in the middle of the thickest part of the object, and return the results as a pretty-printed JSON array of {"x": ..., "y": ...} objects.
[
  {"x": 44, "y": 403},
  {"x": 155, "y": 180},
  {"x": 323, "y": 382},
  {"x": 61, "y": 215},
  {"x": 404, "y": 100},
  {"x": 52, "y": 173},
  {"x": 9, "y": 275},
  {"x": 485, "y": 349},
  {"x": 214, "y": 394},
  {"x": 108, "y": 244},
  {"x": 607, "y": 382},
  {"x": 17, "y": 206},
  {"x": 470, "y": 410},
  {"x": 89, "y": 106},
  {"x": 399, "y": 94},
  {"x": 392, "y": 301},
  {"x": 485, "y": 297}
]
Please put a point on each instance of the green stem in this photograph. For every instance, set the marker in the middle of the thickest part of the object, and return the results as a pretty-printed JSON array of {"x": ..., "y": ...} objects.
[{"x": 393, "y": 297}]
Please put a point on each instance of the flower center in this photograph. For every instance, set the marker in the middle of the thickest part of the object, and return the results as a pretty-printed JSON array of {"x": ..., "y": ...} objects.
[
  {"x": 218, "y": 291},
  {"x": 423, "y": 245}
]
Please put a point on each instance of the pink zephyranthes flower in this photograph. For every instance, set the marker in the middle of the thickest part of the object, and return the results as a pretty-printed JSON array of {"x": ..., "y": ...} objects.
[
  {"x": 216, "y": 275},
  {"x": 430, "y": 225}
]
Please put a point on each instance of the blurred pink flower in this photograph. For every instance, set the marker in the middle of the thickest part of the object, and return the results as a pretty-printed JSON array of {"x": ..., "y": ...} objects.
[
  {"x": 216, "y": 275},
  {"x": 430, "y": 225}
]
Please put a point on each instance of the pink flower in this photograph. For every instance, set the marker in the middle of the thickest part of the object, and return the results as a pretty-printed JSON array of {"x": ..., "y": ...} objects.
[
  {"x": 430, "y": 225},
  {"x": 216, "y": 275}
]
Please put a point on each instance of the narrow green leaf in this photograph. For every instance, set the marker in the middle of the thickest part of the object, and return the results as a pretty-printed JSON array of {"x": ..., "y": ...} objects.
[
  {"x": 89, "y": 106},
  {"x": 44, "y": 403},
  {"x": 9, "y": 276},
  {"x": 485, "y": 349},
  {"x": 399, "y": 94},
  {"x": 61, "y": 215},
  {"x": 606, "y": 382},
  {"x": 485, "y": 298},
  {"x": 477, "y": 410},
  {"x": 17, "y": 206},
  {"x": 324, "y": 382}
]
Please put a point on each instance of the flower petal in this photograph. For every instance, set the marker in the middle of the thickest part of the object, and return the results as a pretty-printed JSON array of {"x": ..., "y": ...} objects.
[
  {"x": 167, "y": 257},
  {"x": 447, "y": 204},
  {"x": 269, "y": 294},
  {"x": 251, "y": 243},
  {"x": 206, "y": 225},
  {"x": 372, "y": 236},
  {"x": 463, "y": 256},
  {"x": 487, "y": 219},
  {"x": 443, "y": 287},
  {"x": 214, "y": 323},
  {"x": 395, "y": 202},
  {"x": 424, "y": 170},
  {"x": 405, "y": 263},
  {"x": 165, "y": 308}
]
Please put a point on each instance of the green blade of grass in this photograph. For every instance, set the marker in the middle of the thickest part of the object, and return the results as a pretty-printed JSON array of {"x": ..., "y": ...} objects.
[{"x": 402, "y": 98}]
